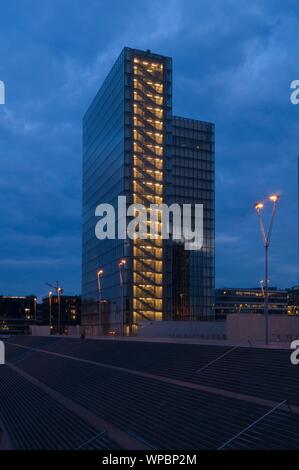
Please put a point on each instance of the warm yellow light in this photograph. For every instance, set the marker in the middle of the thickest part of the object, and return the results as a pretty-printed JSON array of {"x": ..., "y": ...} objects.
[
  {"x": 151, "y": 272},
  {"x": 274, "y": 197},
  {"x": 258, "y": 205}
]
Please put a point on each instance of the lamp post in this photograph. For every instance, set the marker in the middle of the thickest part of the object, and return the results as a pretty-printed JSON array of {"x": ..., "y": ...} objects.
[
  {"x": 266, "y": 237},
  {"x": 262, "y": 287},
  {"x": 50, "y": 309},
  {"x": 121, "y": 266},
  {"x": 34, "y": 302},
  {"x": 99, "y": 275},
  {"x": 59, "y": 290}
]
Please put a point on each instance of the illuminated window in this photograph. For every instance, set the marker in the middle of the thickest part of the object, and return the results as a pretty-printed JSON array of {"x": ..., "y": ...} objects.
[{"x": 148, "y": 188}]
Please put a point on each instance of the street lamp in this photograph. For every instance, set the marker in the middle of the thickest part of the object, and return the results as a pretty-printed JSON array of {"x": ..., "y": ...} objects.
[
  {"x": 59, "y": 291},
  {"x": 266, "y": 237},
  {"x": 50, "y": 308},
  {"x": 34, "y": 301},
  {"x": 121, "y": 266},
  {"x": 99, "y": 275}
]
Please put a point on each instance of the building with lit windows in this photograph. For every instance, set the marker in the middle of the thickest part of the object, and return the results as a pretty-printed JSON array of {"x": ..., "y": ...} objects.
[
  {"x": 293, "y": 300},
  {"x": 133, "y": 146},
  {"x": 17, "y": 313},
  {"x": 251, "y": 300},
  {"x": 69, "y": 312}
]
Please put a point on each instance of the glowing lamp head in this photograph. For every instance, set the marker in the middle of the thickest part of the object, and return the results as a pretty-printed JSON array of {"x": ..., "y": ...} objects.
[
  {"x": 100, "y": 272},
  {"x": 258, "y": 206},
  {"x": 274, "y": 197},
  {"x": 50, "y": 293}
]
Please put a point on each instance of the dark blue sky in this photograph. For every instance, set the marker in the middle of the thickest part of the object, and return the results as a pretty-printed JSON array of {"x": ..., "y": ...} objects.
[{"x": 233, "y": 64}]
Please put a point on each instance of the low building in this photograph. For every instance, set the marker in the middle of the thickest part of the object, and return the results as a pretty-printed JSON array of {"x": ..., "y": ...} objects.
[
  {"x": 251, "y": 300},
  {"x": 69, "y": 315},
  {"x": 293, "y": 301},
  {"x": 17, "y": 313}
]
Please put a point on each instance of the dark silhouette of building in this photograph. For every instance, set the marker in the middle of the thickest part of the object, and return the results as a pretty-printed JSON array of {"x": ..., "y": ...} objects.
[
  {"x": 17, "y": 313},
  {"x": 293, "y": 301},
  {"x": 251, "y": 300},
  {"x": 70, "y": 312}
]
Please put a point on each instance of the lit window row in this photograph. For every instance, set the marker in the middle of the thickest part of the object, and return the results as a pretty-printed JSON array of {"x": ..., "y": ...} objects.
[{"x": 147, "y": 184}]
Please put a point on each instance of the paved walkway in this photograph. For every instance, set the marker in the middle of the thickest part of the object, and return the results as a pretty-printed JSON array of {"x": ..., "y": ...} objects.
[
  {"x": 120, "y": 437},
  {"x": 181, "y": 383},
  {"x": 5, "y": 441},
  {"x": 207, "y": 342}
]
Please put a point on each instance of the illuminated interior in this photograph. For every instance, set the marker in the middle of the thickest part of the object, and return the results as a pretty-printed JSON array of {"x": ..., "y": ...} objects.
[{"x": 148, "y": 129}]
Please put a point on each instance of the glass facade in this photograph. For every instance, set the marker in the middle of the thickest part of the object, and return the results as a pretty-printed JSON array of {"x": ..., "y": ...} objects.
[
  {"x": 191, "y": 181},
  {"x": 104, "y": 131},
  {"x": 132, "y": 146}
]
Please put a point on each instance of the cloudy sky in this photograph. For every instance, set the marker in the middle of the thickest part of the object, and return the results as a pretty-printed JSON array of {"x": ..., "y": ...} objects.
[{"x": 233, "y": 64}]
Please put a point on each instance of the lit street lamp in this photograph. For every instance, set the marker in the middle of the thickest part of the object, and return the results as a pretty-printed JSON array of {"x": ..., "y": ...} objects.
[
  {"x": 59, "y": 291},
  {"x": 34, "y": 301},
  {"x": 121, "y": 266},
  {"x": 99, "y": 275},
  {"x": 266, "y": 242},
  {"x": 262, "y": 287},
  {"x": 50, "y": 309}
]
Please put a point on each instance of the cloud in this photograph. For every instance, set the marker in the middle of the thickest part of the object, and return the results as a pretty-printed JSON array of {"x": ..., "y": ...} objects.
[
  {"x": 233, "y": 63},
  {"x": 13, "y": 124},
  {"x": 225, "y": 239}
]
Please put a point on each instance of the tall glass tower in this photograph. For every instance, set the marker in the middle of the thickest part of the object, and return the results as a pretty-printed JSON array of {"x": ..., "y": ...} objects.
[{"x": 134, "y": 147}]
